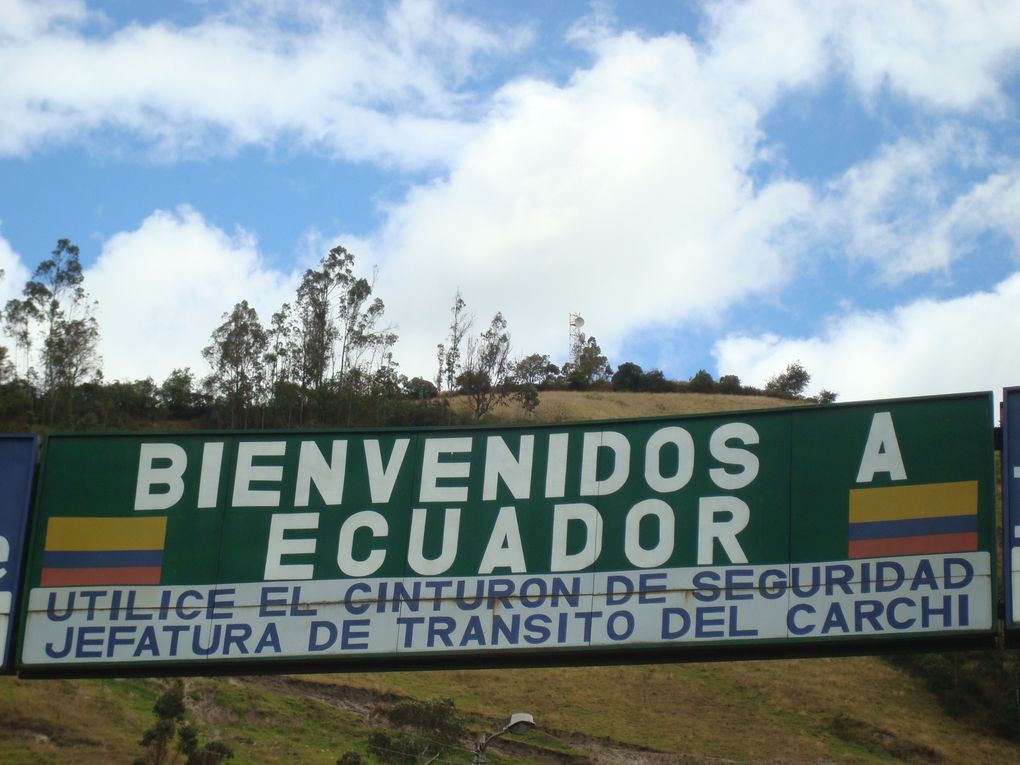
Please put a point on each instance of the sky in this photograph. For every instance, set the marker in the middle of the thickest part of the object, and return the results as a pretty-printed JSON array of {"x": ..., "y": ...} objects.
[{"x": 729, "y": 186}]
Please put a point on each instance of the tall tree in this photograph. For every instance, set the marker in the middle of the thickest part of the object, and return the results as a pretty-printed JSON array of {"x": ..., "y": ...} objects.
[
  {"x": 236, "y": 355},
  {"x": 366, "y": 347},
  {"x": 316, "y": 332},
  {"x": 338, "y": 323},
  {"x": 283, "y": 367},
  {"x": 71, "y": 352},
  {"x": 589, "y": 366},
  {"x": 18, "y": 326},
  {"x": 7, "y": 366},
  {"x": 460, "y": 325},
  {"x": 7, "y": 372},
  {"x": 487, "y": 378},
  {"x": 282, "y": 355},
  {"x": 57, "y": 309},
  {"x": 440, "y": 372}
]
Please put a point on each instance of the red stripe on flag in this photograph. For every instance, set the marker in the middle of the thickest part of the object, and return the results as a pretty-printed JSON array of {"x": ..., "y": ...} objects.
[
  {"x": 922, "y": 545},
  {"x": 70, "y": 577}
]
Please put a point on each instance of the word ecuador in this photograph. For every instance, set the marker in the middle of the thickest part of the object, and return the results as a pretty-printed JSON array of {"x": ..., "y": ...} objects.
[{"x": 418, "y": 497}]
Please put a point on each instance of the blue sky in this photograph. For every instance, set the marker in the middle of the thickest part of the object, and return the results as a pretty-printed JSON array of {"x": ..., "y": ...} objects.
[{"x": 721, "y": 185}]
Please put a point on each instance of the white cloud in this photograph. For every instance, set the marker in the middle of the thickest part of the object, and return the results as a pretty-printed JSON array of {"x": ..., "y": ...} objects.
[
  {"x": 398, "y": 88},
  {"x": 926, "y": 347},
  {"x": 920, "y": 205},
  {"x": 763, "y": 47},
  {"x": 880, "y": 208},
  {"x": 26, "y": 19},
  {"x": 163, "y": 288},
  {"x": 945, "y": 53},
  {"x": 383, "y": 90},
  {"x": 988, "y": 206},
  {"x": 626, "y": 194},
  {"x": 623, "y": 195},
  {"x": 14, "y": 272}
]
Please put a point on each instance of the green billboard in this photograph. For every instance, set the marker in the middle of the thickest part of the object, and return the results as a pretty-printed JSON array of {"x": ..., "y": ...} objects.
[{"x": 562, "y": 542}]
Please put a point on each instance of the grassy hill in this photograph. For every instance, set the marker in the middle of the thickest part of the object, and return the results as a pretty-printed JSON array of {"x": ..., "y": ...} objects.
[
  {"x": 568, "y": 406},
  {"x": 851, "y": 710}
]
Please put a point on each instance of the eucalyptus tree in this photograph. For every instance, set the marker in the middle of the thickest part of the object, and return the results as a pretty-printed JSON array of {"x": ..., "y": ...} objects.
[
  {"x": 56, "y": 310},
  {"x": 460, "y": 325},
  {"x": 589, "y": 366},
  {"x": 338, "y": 324},
  {"x": 18, "y": 326},
  {"x": 283, "y": 354},
  {"x": 237, "y": 357},
  {"x": 315, "y": 330},
  {"x": 7, "y": 366},
  {"x": 488, "y": 376}
]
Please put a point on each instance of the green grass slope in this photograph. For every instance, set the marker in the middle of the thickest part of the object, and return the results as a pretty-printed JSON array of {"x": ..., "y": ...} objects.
[{"x": 849, "y": 710}]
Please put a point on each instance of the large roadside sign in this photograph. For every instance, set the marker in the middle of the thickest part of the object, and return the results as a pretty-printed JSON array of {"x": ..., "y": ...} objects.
[
  {"x": 17, "y": 469},
  {"x": 853, "y": 525},
  {"x": 1011, "y": 507}
]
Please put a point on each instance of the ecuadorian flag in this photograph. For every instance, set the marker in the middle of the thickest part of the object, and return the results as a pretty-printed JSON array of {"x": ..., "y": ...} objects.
[
  {"x": 913, "y": 520},
  {"x": 85, "y": 551}
]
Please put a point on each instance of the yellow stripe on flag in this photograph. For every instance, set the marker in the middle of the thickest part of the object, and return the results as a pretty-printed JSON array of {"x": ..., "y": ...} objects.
[
  {"x": 901, "y": 503},
  {"x": 65, "y": 534}
]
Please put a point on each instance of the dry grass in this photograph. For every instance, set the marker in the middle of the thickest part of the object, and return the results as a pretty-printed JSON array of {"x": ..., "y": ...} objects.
[{"x": 567, "y": 406}]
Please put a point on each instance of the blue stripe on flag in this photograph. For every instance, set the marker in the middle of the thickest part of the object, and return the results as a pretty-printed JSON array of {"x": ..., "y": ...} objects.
[
  {"x": 102, "y": 558},
  {"x": 914, "y": 527}
]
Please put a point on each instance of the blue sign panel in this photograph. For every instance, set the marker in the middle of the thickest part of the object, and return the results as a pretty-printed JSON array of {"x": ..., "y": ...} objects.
[
  {"x": 17, "y": 467},
  {"x": 1011, "y": 502}
]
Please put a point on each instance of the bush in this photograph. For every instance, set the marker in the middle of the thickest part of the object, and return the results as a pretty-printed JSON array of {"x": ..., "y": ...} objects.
[
  {"x": 437, "y": 716},
  {"x": 172, "y": 735},
  {"x": 980, "y": 686},
  {"x": 702, "y": 382},
  {"x": 628, "y": 377},
  {"x": 730, "y": 385},
  {"x": 790, "y": 383},
  {"x": 420, "y": 388},
  {"x": 655, "y": 382},
  {"x": 424, "y": 729}
]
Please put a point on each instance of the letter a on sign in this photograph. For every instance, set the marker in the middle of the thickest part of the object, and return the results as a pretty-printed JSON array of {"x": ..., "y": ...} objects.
[{"x": 882, "y": 452}]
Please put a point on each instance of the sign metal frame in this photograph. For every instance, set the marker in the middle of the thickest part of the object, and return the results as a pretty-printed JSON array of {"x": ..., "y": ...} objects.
[{"x": 1010, "y": 474}]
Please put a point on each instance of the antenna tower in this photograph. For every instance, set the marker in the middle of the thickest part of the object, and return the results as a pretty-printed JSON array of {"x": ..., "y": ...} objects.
[{"x": 577, "y": 337}]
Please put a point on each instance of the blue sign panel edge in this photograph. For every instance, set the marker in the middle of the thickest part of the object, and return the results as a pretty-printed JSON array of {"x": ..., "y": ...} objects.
[
  {"x": 1010, "y": 499},
  {"x": 17, "y": 474}
]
